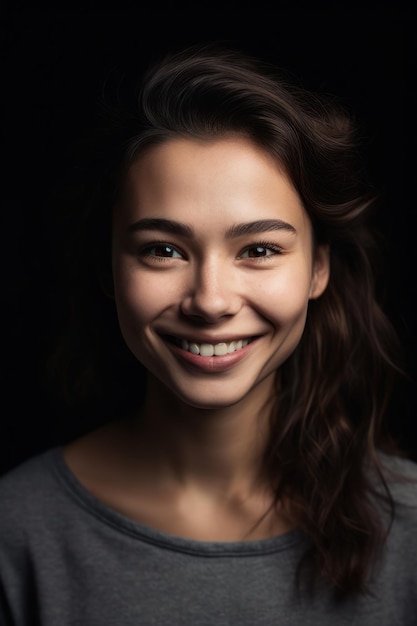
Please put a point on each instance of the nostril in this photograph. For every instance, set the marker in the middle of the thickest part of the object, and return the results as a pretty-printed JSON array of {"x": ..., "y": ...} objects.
[{"x": 209, "y": 309}]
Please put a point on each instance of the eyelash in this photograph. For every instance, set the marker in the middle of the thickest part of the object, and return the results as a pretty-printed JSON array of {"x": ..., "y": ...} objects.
[
  {"x": 145, "y": 251},
  {"x": 267, "y": 245}
]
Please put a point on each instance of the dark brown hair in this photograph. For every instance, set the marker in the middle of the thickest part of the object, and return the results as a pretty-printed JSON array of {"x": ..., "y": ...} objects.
[{"x": 333, "y": 391}]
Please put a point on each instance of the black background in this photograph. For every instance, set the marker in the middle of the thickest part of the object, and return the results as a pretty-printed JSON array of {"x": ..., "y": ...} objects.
[{"x": 54, "y": 66}]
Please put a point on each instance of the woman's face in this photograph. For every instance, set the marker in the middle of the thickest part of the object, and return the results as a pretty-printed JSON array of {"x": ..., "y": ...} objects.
[{"x": 213, "y": 268}]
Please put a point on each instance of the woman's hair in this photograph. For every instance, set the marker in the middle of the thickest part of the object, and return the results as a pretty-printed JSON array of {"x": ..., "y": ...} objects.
[{"x": 333, "y": 392}]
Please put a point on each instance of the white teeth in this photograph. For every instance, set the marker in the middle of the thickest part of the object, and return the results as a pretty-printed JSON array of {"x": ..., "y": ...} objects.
[
  {"x": 209, "y": 349},
  {"x": 220, "y": 349},
  {"x": 206, "y": 349}
]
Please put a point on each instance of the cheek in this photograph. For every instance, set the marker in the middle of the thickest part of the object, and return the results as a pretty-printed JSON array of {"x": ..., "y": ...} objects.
[
  {"x": 137, "y": 299},
  {"x": 284, "y": 297}
]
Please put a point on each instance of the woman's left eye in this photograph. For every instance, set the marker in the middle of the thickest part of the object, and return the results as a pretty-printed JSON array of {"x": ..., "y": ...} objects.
[{"x": 259, "y": 251}]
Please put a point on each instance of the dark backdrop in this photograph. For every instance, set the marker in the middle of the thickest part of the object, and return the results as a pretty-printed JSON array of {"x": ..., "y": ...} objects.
[{"x": 54, "y": 66}]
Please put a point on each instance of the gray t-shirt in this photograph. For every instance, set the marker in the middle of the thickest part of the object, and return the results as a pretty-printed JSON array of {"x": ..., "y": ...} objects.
[{"x": 67, "y": 559}]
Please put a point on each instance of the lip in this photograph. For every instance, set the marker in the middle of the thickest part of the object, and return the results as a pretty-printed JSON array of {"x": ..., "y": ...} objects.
[{"x": 212, "y": 364}]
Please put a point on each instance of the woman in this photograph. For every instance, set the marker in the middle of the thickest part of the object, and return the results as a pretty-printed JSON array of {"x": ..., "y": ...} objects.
[{"x": 248, "y": 478}]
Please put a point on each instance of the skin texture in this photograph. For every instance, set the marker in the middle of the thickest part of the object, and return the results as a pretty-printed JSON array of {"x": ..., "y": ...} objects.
[
  {"x": 190, "y": 464},
  {"x": 211, "y": 288}
]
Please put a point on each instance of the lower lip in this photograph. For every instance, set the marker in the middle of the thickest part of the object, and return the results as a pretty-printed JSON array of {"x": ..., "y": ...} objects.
[{"x": 212, "y": 363}]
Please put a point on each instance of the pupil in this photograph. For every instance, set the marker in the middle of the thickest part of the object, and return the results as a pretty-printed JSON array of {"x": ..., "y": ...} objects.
[{"x": 163, "y": 251}]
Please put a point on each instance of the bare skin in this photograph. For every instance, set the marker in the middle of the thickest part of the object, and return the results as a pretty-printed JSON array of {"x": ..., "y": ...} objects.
[
  {"x": 190, "y": 463},
  {"x": 140, "y": 482}
]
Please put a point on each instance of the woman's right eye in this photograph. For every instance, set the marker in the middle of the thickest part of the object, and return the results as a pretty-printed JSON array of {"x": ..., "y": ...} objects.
[{"x": 162, "y": 250}]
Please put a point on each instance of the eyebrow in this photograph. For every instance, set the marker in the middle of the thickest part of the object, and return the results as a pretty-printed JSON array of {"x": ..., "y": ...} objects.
[
  {"x": 167, "y": 226},
  {"x": 259, "y": 226},
  {"x": 237, "y": 230}
]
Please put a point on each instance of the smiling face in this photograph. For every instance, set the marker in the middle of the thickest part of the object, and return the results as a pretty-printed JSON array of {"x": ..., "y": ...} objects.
[{"x": 213, "y": 268}]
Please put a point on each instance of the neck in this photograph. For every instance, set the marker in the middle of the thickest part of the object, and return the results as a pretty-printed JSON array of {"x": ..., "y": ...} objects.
[{"x": 217, "y": 449}]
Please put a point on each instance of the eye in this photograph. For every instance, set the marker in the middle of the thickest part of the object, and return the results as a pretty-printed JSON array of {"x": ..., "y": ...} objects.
[
  {"x": 162, "y": 250},
  {"x": 260, "y": 250}
]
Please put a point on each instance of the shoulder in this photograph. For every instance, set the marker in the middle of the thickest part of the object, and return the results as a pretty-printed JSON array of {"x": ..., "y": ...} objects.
[
  {"x": 400, "y": 475},
  {"x": 396, "y": 584},
  {"x": 27, "y": 488},
  {"x": 396, "y": 481},
  {"x": 31, "y": 470}
]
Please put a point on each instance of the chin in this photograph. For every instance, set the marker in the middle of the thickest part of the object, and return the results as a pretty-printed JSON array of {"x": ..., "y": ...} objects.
[{"x": 209, "y": 402}]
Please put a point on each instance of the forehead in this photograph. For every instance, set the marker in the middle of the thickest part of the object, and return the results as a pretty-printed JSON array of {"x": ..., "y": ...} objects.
[{"x": 190, "y": 179}]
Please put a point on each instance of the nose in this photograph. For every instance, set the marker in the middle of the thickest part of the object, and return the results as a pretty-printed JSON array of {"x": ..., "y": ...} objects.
[{"x": 211, "y": 293}]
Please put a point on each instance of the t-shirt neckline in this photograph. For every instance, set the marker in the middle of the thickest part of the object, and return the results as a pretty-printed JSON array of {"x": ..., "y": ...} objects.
[{"x": 136, "y": 530}]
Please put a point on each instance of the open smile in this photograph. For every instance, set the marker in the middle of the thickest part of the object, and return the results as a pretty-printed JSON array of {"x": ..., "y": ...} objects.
[
  {"x": 209, "y": 349},
  {"x": 210, "y": 357}
]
